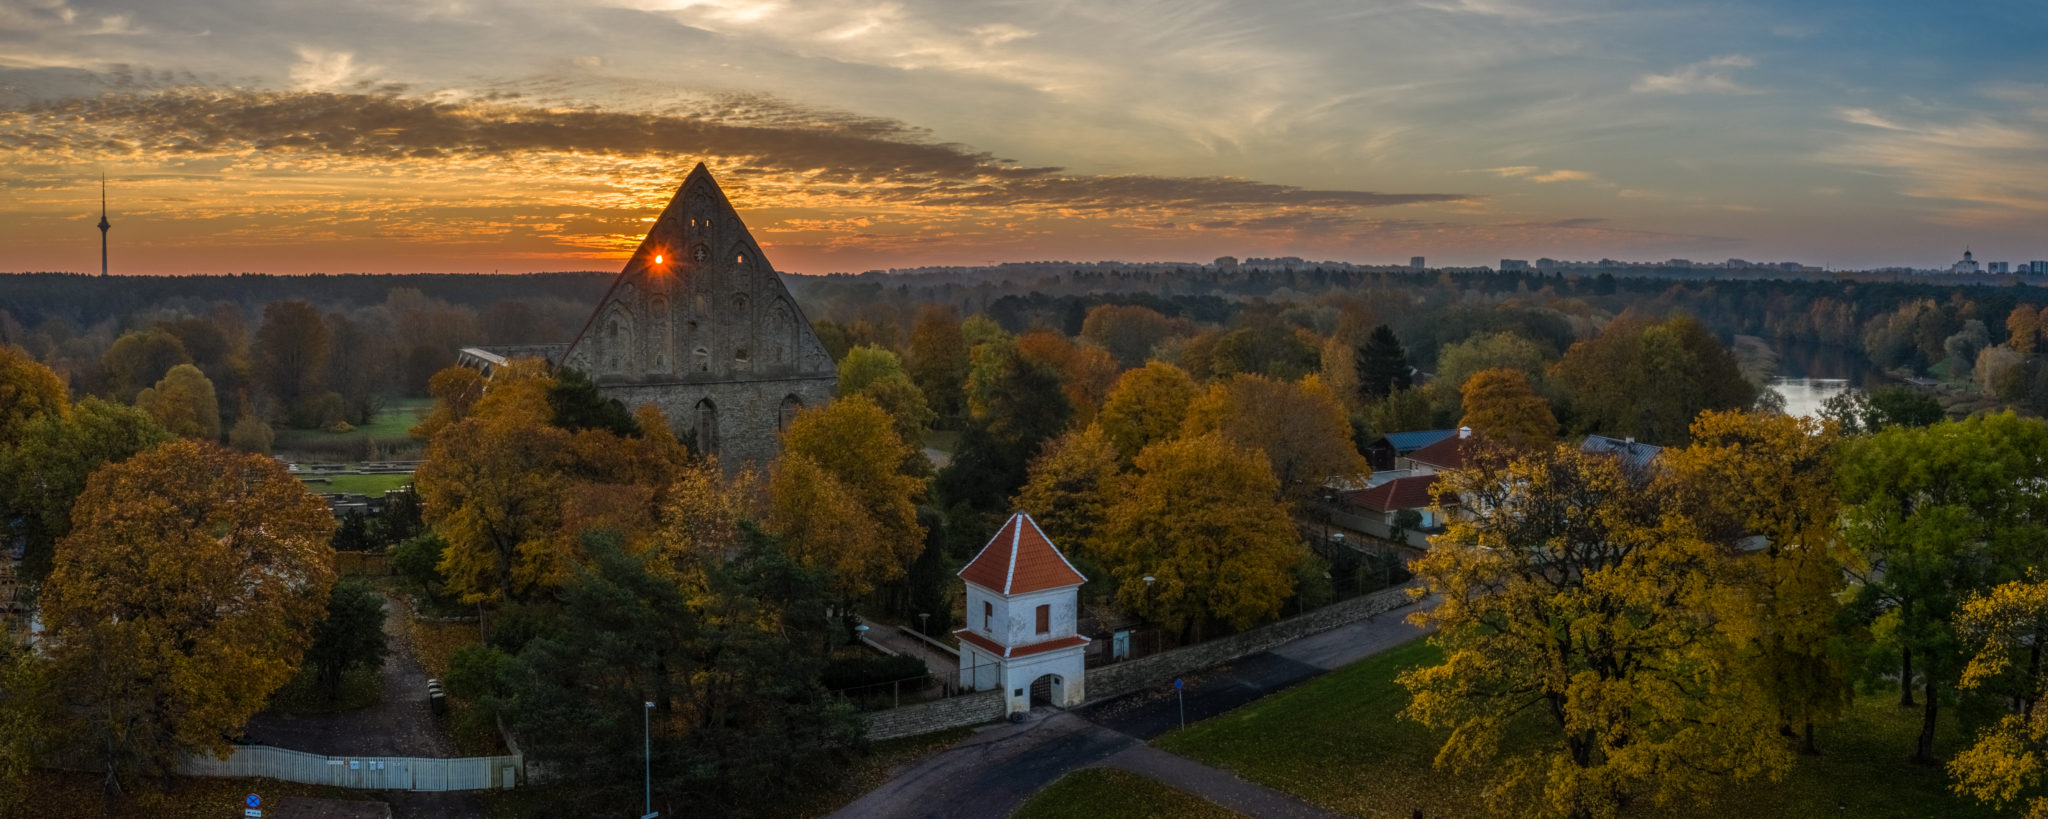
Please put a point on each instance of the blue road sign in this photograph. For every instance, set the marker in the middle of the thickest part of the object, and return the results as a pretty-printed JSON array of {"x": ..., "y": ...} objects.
[
  {"x": 1176, "y": 683},
  {"x": 253, "y": 800}
]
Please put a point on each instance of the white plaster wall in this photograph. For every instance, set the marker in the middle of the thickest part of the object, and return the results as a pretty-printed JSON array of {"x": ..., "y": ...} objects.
[
  {"x": 1068, "y": 664},
  {"x": 1023, "y": 621}
]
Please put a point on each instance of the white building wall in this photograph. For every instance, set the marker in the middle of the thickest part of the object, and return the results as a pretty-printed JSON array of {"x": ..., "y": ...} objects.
[{"x": 1023, "y": 622}]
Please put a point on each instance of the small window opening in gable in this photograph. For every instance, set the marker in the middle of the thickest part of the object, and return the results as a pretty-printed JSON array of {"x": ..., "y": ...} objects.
[
  {"x": 1045, "y": 619},
  {"x": 988, "y": 616}
]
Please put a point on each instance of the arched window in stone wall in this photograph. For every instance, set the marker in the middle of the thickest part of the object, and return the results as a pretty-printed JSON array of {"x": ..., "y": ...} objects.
[
  {"x": 707, "y": 427},
  {"x": 618, "y": 343},
  {"x": 780, "y": 333},
  {"x": 786, "y": 414},
  {"x": 658, "y": 335}
]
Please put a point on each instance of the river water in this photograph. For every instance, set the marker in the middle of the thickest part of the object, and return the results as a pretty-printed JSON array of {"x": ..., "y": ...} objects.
[{"x": 1810, "y": 374}]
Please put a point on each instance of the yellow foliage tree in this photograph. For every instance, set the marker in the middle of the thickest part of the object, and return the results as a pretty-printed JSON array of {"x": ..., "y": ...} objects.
[
  {"x": 185, "y": 594},
  {"x": 853, "y": 441},
  {"x": 1147, "y": 405},
  {"x": 1072, "y": 485},
  {"x": 1568, "y": 592},
  {"x": 492, "y": 485},
  {"x": 1500, "y": 404},
  {"x": 2007, "y": 761},
  {"x": 27, "y": 390},
  {"x": 184, "y": 402},
  {"x": 824, "y": 526},
  {"x": 1301, "y": 427},
  {"x": 1204, "y": 521},
  {"x": 1771, "y": 476}
]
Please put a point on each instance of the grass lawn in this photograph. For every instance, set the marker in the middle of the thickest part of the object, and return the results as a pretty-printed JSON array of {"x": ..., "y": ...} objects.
[
  {"x": 355, "y": 484},
  {"x": 1337, "y": 741},
  {"x": 1108, "y": 793}
]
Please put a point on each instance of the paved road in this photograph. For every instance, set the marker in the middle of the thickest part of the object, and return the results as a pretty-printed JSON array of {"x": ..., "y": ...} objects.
[{"x": 991, "y": 774}]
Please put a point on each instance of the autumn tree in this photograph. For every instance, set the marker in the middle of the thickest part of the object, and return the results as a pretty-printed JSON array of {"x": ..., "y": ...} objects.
[
  {"x": 1500, "y": 404},
  {"x": 1086, "y": 372},
  {"x": 2004, "y": 629},
  {"x": 1128, "y": 331},
  {"x": 1762, "y": 486},
  {"x": 938, "y": 361},
  {"x": 825, "y": 527},
  {"x": 1147, "y": 405},
  {"x": 185, "y": 594},
  {"x": 27, "y": 390},
  {"x": 362, "y": 363},
  {"x": 1649, "y": 380},
  {"x": 842, "y": 466},
  {"x": 2024, "y": 328},
  {"x": 1203, "y": 519},
  {"x": 1072, "y": 485},
  {"x": 1382, "y": 365},
  {"x": 184, "y": 403},
  {"x": 31, "y": 723},
  {"x": 492, "y": 485},
  {"x": 866, "y": 364},
  {"x": 1860, "y": 412},
  {"x": 1299, "y": 426},
  {"x": 1568, "y": 592},
  {"x": 1932, "y": 515},
  {"x": 45, "y": 470},
  {"x": 456, "y": 391},
  {"x": 139, "y": 358},
  {"x": 291, "y": 350}
]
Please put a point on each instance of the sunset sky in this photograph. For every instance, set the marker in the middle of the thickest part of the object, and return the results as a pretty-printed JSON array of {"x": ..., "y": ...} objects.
[{"x": 516, "y": 135}]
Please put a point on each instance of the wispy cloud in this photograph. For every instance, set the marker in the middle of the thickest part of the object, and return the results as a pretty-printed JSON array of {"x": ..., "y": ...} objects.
[
  {"x": 1984, "y": 169},
  {"x": 1713, "y": 76},
  {"x": 319, "y": 69}
]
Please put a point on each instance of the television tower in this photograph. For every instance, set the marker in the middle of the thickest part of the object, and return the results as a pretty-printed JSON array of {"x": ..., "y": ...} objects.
[{"x": 104, "y": 224}]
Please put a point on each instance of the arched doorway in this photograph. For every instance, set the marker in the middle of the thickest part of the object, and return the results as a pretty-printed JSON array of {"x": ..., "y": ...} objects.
[
  {"x": 786, "y": 414},
  {"x": 707, "y": 428},
  {"x": 1048, "y": 689}
]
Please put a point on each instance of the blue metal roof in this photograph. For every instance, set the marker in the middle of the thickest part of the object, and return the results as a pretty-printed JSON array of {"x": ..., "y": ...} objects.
[{"x": 1411, "y": 441}]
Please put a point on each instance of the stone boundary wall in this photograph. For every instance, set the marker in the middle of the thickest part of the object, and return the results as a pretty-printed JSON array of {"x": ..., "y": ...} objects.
[
  {"x": 1117, "y": 679},
  {"x": 937, "y": 715}
]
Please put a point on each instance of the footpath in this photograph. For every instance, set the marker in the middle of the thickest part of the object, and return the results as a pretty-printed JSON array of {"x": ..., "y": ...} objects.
[{"x": 991, "y": 774}]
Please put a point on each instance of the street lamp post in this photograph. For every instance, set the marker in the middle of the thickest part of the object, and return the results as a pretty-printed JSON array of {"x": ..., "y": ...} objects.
[
  {"x": 924, "y": 625},
  {"x": 1148, "y": 598},
  {"x": 647, "y": 726}
]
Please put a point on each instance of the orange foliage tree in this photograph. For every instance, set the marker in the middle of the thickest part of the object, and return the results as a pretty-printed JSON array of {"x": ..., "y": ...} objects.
[{"x": 185, "y": 594}]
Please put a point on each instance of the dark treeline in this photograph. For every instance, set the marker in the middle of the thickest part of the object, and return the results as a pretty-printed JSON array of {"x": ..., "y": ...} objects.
[{"x": 84, "y": 300}]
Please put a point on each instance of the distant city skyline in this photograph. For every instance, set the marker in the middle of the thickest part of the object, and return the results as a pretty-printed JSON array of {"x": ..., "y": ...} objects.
[{"x": 517, "y": 135}]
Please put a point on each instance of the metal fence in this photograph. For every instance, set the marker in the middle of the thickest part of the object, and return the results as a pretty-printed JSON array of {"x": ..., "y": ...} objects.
[
  {"x": 937, "y": 685},
  {"x": 473, "y": 773}
]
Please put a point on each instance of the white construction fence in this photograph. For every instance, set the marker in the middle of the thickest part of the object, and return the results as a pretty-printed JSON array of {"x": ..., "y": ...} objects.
[{"x": 473, "y": 773}]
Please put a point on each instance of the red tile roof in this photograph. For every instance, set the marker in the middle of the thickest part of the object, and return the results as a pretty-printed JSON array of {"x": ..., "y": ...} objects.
[
  {"x": 1026, "y": 650},
  {"x": 1448, "y": 453},
  {"x": 1020, "y": 559},
  {"x": 1415, "y": 492}
]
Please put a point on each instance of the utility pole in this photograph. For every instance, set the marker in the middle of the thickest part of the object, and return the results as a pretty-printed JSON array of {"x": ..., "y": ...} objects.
[
  {"x": 647, "y": 724},
  {"x": 104, "y": 224}
]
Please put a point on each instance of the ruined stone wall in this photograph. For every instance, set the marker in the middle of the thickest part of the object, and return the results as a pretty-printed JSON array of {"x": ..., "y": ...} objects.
[
  {"x": 748, "y": 414},
  {"x": 1160, "y": 669},
  {"x": 937, "y": 715}
]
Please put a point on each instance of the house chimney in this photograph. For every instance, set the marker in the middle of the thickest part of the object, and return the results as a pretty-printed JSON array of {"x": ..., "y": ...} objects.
[
  {"x": 1464, "y": 432},
  {"x": 1631, "y": 440}
]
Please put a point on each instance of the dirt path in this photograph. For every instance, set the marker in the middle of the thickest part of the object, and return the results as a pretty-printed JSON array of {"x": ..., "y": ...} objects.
[{"x": 400, "y": 724}]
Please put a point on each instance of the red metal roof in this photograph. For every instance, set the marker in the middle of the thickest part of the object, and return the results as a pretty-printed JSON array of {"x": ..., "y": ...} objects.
[
  {"x": 1414, "y": 492},
  {"x": 1026, "y": 650},
  {"x": 1448, "y": 453},
  {"x": 1020, "y": 559}
]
